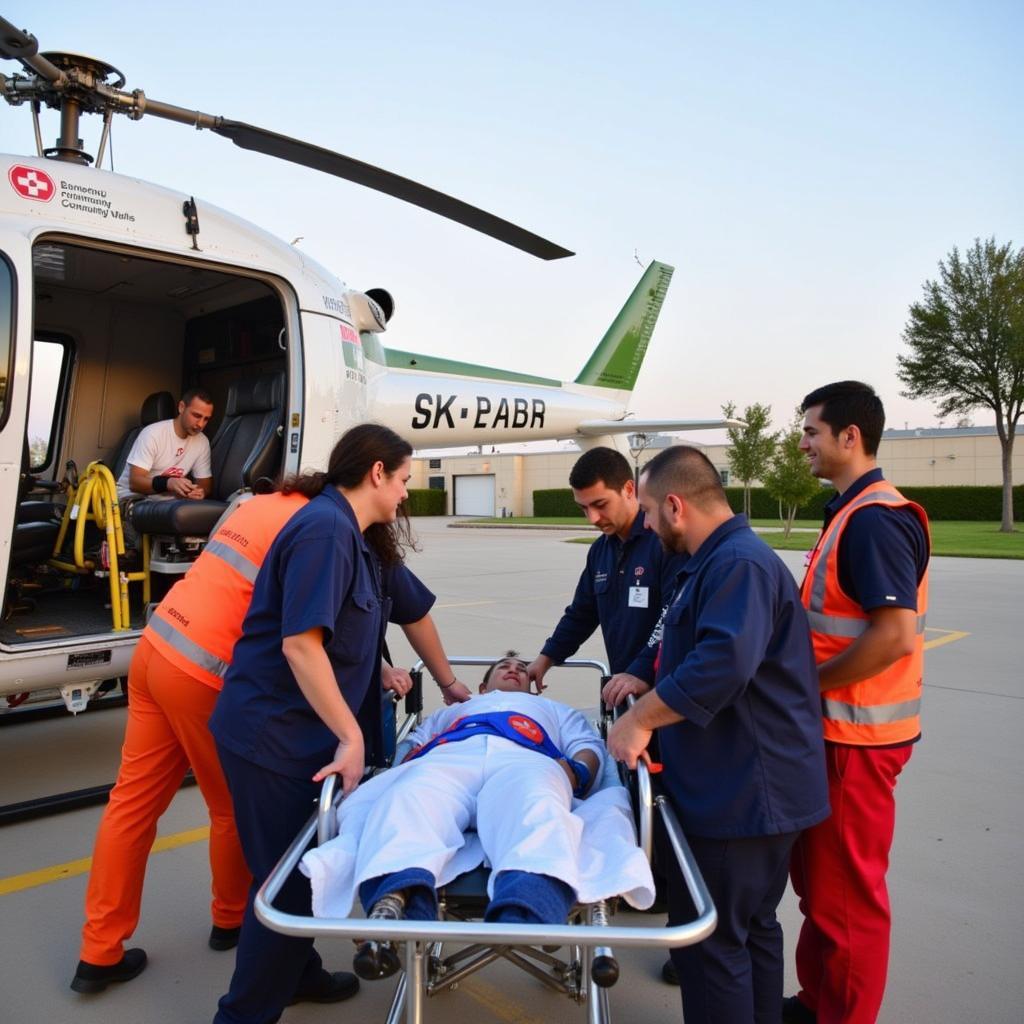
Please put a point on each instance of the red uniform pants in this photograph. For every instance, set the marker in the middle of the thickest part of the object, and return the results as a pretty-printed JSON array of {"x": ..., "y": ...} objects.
[
  {"x": 166, "y": 732},
  {"x": 838, "y": 870}
]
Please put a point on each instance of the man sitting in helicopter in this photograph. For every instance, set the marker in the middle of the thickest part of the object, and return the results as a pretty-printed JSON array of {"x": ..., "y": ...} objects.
[
  {"x": 508, "y": 764},
  {"x": 166, "y": 453}
]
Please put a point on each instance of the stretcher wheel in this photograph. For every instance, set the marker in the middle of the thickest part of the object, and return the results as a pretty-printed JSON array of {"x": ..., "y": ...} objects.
[{"x": 604, "y": 971}]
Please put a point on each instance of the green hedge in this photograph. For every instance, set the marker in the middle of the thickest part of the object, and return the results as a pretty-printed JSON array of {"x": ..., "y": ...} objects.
[
  {"x": 972, "y": 503},
  {"x": 964, "y": 503},
  {"x": 556, "y": 501},
  {"x": 763, "y": 506},
  {"x": 423, "y": 501},
  {"x": 954, "y": 502}
]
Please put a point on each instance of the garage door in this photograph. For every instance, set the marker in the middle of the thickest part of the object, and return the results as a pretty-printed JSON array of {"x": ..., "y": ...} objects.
[{"x": 474, "y": 495}]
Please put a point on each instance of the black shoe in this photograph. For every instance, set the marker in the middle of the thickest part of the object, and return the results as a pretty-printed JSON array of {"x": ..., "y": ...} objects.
[
  {"x": 376, "y": 960},
  {"x": 794, "y": 1012},
  {"x": 328, "y": 988},
  {"x": 669, "y": 975},
  {"x": 224, "y": 938},
  {"x": 92, "y": 978}
]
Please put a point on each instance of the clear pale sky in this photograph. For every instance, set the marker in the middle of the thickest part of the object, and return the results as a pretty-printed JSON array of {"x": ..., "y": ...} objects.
[{"x": 803, "y": 166}]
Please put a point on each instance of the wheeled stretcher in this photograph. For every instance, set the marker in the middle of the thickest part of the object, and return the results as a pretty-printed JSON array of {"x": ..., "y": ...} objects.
[{"x": 439, "y": 954}]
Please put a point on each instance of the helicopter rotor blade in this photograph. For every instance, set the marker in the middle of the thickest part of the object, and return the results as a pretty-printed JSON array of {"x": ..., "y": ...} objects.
[
  {"x": 24, "y": 48},
  {"x": 16, "y": 44},
  {"x": 270, "y": 143}
]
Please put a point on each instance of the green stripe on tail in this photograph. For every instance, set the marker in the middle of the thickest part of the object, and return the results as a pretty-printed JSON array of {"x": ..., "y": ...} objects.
[{"x": 616, "y": 360}]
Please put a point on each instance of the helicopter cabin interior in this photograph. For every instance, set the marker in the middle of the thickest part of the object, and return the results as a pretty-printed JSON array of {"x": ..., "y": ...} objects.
[{"x": 118, "y": 337}]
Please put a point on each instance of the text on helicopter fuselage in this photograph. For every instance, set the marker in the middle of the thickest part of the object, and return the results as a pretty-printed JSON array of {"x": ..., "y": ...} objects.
[{"x": 483, "y": 412}]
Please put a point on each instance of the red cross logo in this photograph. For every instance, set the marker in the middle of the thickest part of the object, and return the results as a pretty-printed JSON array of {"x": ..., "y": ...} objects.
[{"x": 31, "y": 183}]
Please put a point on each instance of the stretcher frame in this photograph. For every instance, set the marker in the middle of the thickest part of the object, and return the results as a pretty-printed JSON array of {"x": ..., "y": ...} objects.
[{"x": 425, "y": 974}]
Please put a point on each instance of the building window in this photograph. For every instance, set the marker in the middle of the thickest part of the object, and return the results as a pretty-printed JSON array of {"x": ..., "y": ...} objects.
[
  {"x": 435, "y": 483},
  {"x": 434, "y": 464},
  {"x": 724, "y": 475}
]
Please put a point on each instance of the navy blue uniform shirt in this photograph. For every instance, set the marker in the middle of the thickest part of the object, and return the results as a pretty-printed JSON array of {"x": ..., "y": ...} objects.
[
  {"x": 737, "y": 661},
  {"x": 602, "y": 599},
  {"x": 410, "y": 598},
  {"x": 883, "y": 552},
  {"x": 319, "y": 572}
]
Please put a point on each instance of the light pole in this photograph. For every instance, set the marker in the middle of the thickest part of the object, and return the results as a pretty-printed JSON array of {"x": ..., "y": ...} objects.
[{"x": 638, "y": 444}]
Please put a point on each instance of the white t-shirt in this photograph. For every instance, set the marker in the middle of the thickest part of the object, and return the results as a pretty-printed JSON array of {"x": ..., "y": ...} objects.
[{"x": 159, "y": 450}]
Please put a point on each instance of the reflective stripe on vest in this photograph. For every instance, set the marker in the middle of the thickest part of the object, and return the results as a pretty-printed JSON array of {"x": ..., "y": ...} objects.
[
  {"x": 234, "y": 558},
  {"x": 188, "y": 648},
  {"x": 197, "y": 624},
  {"x": 820, "y": 581},
  {"x": 885, "y": 707},
  {"x": 870, "y": 714},
  {"x": 838, "y": 625}
]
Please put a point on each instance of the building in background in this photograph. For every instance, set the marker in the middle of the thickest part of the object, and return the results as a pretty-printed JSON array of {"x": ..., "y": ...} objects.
[{"x": 502, "y": 483}]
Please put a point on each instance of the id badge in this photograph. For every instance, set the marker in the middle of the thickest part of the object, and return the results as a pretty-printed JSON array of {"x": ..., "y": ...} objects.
[{"x": 638, "y": 597}]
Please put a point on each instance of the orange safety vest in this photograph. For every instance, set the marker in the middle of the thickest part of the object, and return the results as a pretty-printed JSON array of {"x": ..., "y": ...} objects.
[
  {"x": 196, "y": 625},
  {"x": 884, "y": 708}
]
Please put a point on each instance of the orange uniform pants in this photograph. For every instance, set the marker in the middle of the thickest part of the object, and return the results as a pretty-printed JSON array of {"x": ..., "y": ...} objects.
[{"x": 166, "y": 732}]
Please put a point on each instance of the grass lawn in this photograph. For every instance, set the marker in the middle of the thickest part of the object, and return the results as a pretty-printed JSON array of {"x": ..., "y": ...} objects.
[{"x": 955, "y": 538}]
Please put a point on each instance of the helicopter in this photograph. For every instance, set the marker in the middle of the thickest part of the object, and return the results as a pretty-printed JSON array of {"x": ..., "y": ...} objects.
[{"x": 117, "y": 295}]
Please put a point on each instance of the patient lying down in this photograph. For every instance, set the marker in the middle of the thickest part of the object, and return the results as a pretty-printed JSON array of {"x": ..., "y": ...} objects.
[{"x": 528, "y": 774}]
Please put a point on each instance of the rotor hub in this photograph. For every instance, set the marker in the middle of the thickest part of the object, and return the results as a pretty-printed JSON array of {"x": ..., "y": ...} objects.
[{"x": 84, "y": 73}]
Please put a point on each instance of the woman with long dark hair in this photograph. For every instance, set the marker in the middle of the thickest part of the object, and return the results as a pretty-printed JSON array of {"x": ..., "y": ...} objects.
[{"x": 303, "y": 691}]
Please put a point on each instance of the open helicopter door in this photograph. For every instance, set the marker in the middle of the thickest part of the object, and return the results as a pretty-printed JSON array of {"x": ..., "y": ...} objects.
[
  {"x": 101, "y": 339},
  {"x": 15, "y": 359}
]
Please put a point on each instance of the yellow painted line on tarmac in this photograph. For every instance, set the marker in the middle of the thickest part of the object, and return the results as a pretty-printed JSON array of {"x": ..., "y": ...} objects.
[
  {"x": 950, "y": 637},
  {"x": 31, "y": 879},
  {"x": 499, "y": 1004}
]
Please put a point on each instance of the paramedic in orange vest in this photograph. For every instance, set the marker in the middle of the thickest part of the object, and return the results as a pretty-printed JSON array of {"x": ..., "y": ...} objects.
[
  {"x": 175, "y": 676},
  {"x": 866, "y": 595}
]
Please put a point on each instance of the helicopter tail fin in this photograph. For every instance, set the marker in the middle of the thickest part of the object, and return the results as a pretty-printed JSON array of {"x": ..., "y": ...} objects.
[{"x": 616, "y": 361}]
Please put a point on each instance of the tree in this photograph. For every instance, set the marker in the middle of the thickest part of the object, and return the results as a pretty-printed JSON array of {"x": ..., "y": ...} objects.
[
  {"x": 37, "y": 448},
  {"x": 750, "y": 447},
  {"x": 789, "y": 479},
  {"x": 966, "y": 340}
]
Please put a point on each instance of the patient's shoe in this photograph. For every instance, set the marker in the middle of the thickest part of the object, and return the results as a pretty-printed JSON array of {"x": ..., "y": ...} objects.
[
  {"x": 93, "y": 978},
  {"x": 376, "y": 960}
]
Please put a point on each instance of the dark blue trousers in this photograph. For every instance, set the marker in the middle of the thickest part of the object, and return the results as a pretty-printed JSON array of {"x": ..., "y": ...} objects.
[
  {"x": 735, "y": 976},
  {"x": 520, "y": 897},
  {"x": 270, "y": 968}
]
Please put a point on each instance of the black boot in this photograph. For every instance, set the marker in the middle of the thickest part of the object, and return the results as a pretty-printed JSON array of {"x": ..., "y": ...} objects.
[
  {"x": 93, "y": 978},
  {"x": 224, "y": 938},
  {"x": 329, "y": 987},
  {"x": 376, "y": 960}
]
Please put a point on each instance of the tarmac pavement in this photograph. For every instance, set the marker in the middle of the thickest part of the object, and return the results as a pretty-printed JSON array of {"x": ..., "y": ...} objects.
[{"x": 954, "y": 880}]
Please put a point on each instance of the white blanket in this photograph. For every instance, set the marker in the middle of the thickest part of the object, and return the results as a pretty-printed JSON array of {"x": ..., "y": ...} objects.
[{"x": 386, "y": 827}]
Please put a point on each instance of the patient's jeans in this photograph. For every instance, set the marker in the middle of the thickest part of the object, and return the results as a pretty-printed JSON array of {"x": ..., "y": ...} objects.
[
  {"x": 523, "y": 897},
  {"x": 520, "y": 897},
  {"x": 420, "y": 894}
]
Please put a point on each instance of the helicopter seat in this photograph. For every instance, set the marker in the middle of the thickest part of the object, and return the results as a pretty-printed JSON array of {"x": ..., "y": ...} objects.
[
  {"x": 246, "y": 447},
  {"x": 36, "y": 522},
  {"x": 33, "y": 542},
  {"x": 158, "y": 406}
]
